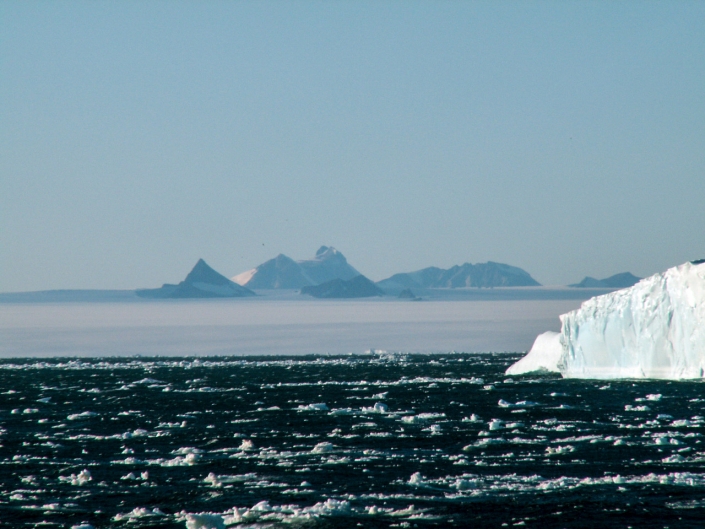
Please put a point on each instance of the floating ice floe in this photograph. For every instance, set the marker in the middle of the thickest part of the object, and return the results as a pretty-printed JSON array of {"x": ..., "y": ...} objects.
[
  {"x": 290, "y": 514},
  {"x": 322, "y": 448},
  {"x": 187, "y": 456},
  {"x": 219, "y": 480},
  {"x": 496, "y": 424},
  {"x": 521, "y": 404},
  {"x": 494, "y": 485},
  {"x": 79, "y": 416},
  {"x": 320, "y": 406},
  {"x": 204, "y": 521},
  {"x": 654, "y": 329},
  {"x": 79, "y": 479},
  {"x": 422, "y": 417},
  {"x": 137, "y": 513},
  {"x": 379, "y": 407},
  {"x": 246, "y": 445}
]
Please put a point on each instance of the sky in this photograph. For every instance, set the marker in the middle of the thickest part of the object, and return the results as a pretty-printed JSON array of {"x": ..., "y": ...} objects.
[{"x": 566, "y": 138}]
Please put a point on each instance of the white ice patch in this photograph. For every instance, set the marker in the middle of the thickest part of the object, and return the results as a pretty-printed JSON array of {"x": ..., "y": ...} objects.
[
  {"x": 379, "y": 407},
  {"x": 243, "y": 278},
  {"x": 79, "y": 479},
  {"x": 79, "y": 416},
  {"x": 493, "y": 485},
  {"x": 204, "y": 521},
  {"x": 422, "y": 417},
  {"x": 521, "y": 404},
  {"x": 219, "y": 480},
  {"x": 319, "y": 406},
  {"x": 246, "y": 445},
  {"x": 322, "y": 448},
  {"x": 187, "y": 456},
  {"x": 543, "y": 356},
  {"x": 137, "y": 513}
]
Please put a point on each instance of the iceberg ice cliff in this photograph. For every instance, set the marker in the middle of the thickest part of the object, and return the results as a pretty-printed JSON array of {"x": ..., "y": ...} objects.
[{"x": 654, "y": 329}]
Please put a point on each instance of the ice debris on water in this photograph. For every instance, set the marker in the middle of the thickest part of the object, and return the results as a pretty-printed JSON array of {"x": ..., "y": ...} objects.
[
  {"x": 204, "y": 521},
  {"x": 79, "y": 479},
  {"x": 137, "y": 513},
  {"x": 293, "y": 515},
  {"x": 379, "y": 407},
  {"x": 320, "y": 406},
  {"x": 246, "y": 445},
  {"x": 422, "y": 417},
  {"x": 521, "y": 404},
  {"x": 79, "y": 416},
  {"x": 322, "y": 448},
  {"x": 496, "y": 424}
]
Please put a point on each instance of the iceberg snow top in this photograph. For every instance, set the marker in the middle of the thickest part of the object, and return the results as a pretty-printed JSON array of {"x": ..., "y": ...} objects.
[{"x": 655, "y": 329}]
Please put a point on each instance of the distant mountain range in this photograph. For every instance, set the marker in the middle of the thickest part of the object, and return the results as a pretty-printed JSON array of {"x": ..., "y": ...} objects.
[
  {"x": 357, "y": 287},
  {"x": 327, "y": 275},
  {"x": 201, "y": 282},
  {"x": 284, "y": 272},
  {"x": 481, "y": 275},
  {"x": 623, "y": 280}
]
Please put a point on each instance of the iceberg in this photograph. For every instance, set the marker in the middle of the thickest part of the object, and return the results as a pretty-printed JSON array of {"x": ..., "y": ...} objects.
[{"x": 654, "y": 329}]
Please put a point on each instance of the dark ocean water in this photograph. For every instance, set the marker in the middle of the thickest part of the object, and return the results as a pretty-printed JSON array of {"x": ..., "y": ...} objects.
[{"x": 377, "y": 440}]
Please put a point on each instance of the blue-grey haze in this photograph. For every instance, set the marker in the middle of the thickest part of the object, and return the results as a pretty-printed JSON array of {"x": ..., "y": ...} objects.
[
  {"x": 565, "y": 138},
  {"x": 295, "y": 325}
]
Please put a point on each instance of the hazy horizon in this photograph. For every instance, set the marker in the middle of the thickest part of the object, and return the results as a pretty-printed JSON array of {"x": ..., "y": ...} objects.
[
  {"x": 257, "y": 326},
  {"x": 135, "y": 138}
]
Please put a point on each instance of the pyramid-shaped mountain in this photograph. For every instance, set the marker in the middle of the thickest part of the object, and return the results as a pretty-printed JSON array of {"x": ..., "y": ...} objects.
[
  {"x": 481, "y": 275},
  {"x": 284, "y": 272},
  {"x": 622, "y": 280},
  {"x": 201, "y": 282}
]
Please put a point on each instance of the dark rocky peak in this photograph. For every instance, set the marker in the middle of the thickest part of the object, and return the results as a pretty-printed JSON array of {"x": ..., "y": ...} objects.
[
  {"x": 202, "y": 273},
  {"x": 327, "y": 253}
]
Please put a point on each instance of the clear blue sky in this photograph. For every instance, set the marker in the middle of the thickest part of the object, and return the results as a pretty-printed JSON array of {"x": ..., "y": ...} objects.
[{"x": 567, "y": 138}]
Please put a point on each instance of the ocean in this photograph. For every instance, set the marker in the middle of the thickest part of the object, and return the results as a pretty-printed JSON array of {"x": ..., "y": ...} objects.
[
  {"x": 343, "y": 440},
  {"x": 500, "y": 320}
]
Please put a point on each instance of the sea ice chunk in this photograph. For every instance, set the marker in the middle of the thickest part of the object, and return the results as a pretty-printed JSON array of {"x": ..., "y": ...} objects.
[
  {"x": 322, "y": 448},
  {"x": 543, "y": 356},
  {"x": 79, "y": 416},
  {"x": 204, "y": 521},
  {"x": 655, "y": 329},
  {"x": 319, "y": 406},
  {"x": 82, "y": 478}
]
